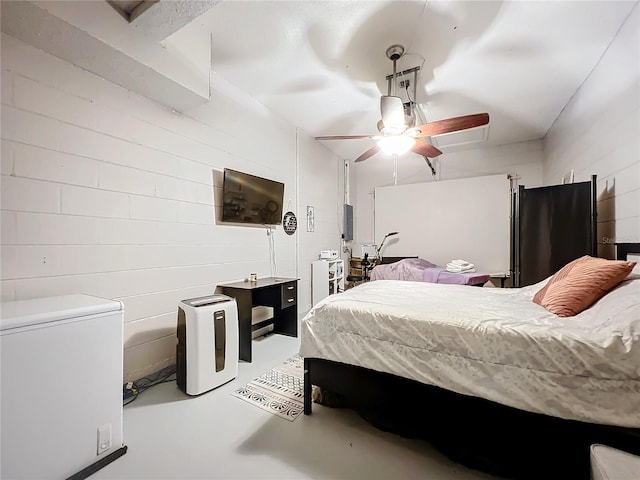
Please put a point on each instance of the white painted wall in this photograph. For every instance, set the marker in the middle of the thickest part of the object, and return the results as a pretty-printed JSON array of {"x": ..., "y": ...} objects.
[
  {"x": 106, "y": 193},
  {"x": 523, "y": 160},
  {"x": 322, "y": 188},
  {"x": 466, "y": 218},
  {"x": 598, "y": 133}
]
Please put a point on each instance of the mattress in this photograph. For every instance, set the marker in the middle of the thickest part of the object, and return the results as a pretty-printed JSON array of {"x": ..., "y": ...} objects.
[{"x": 490, "y": 343}]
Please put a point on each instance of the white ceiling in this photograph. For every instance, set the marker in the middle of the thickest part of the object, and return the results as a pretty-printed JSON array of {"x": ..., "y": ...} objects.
[{"x": 322, "y": 64}]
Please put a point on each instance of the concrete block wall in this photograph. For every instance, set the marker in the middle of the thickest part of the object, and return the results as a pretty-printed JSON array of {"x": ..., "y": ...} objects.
[
  {"x": 107, "y": 193},
  {"x": 597, "y": 133}
]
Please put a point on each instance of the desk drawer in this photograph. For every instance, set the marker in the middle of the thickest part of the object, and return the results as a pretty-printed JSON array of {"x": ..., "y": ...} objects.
[{"x": 289, "y": 294}]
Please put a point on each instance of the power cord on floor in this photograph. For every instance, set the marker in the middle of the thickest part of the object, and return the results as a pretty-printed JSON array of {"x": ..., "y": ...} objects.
[{"x": 131, "y": 390}]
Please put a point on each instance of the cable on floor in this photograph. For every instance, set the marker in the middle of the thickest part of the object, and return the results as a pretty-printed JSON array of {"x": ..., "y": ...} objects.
[{"x": 131, "y": 390}]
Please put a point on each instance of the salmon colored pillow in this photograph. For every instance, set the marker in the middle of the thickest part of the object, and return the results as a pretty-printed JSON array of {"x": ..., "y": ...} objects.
[
  {"x": 580, "y": 284},
  {"x": 560, "y": 274}
]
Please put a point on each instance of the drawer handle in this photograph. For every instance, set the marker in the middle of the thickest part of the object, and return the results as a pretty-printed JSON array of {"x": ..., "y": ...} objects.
[
  {"x": 290, "y": 300},
  {"x": 289, "y": 288}
]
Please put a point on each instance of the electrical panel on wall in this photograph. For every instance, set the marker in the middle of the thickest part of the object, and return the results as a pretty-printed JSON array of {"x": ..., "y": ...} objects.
[{"x": 347, "y": 230}]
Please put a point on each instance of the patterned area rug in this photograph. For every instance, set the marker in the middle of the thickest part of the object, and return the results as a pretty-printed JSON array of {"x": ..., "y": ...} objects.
[{"x": 279, "y": 391}]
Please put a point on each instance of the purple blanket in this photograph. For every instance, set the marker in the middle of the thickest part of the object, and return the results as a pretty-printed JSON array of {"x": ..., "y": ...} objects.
[
  {"x": 407, "y": 269},
  {"x": 420, "y": 270}
]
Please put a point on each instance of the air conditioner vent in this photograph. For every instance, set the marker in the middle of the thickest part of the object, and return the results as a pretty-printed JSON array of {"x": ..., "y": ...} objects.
[{"x": 473, "y": 135}]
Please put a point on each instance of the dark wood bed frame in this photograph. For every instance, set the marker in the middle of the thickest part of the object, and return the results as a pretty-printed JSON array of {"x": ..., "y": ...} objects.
[{"x": 478, "y": 433}]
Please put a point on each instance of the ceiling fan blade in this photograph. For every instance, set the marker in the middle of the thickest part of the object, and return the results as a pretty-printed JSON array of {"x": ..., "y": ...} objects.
[
  {"x": 369, "y": 153},
  {"x": 425, "y": 149},
  {"x": 392, "y": 111},
  {"x": 452, "y": 124},
  {"x": 346, "y": 137}
]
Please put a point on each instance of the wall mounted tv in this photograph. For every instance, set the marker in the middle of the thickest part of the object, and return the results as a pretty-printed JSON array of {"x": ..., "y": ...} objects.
[{"x": 251, "y": 199}]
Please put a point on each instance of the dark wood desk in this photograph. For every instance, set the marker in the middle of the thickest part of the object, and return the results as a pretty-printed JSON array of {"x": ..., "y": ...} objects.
[{"x": 279, "y": 293}]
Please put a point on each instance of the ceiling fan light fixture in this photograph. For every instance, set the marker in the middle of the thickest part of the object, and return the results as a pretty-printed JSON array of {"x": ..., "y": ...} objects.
[
  {"x": 393, "y": 130},
  {"x": 396, "y": 144}
]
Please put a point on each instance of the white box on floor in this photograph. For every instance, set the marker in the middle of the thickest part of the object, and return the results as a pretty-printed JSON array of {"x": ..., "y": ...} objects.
[
  {"x": 61, "y": 385},
  {"x": 611, "y": 464}
]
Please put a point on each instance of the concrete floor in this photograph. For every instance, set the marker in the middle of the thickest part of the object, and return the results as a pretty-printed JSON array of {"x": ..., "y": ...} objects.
[{"x": 218, "y": 436}]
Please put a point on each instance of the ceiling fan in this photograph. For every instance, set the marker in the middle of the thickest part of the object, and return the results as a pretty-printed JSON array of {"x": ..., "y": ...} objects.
[{"x": 398, "y": 133}]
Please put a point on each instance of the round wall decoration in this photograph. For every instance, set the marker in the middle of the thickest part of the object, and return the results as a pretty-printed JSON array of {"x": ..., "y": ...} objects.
[{"x": 289, "y": 223}]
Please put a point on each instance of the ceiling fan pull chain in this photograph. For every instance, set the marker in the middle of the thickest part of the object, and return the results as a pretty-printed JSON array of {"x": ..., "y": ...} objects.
[
  {"x": 395, "y": 169},
  {"x": 415, "y": 82}
]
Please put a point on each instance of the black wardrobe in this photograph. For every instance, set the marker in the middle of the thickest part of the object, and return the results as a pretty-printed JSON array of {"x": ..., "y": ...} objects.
[{"x": 551, "y": 226}]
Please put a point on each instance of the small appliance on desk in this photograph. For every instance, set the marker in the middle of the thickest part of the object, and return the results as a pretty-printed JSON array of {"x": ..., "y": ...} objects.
[
  {"x": 328, "y": 254},
  {"x": 207, "y": 350}
]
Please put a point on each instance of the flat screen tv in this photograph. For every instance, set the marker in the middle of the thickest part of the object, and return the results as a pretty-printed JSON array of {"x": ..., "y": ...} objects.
[{"x": 251, "y": 199}]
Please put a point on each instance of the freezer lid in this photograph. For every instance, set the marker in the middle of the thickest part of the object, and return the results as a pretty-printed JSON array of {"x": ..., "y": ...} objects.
[{"x": 50, "y": 309}]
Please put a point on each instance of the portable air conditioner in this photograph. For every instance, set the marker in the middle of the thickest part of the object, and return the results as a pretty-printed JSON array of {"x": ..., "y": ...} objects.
[{"x": 207, "y": 350}]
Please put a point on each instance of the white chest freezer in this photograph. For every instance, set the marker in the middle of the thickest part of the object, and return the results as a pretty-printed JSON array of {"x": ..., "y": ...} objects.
[{"x": 61, "y": 374}]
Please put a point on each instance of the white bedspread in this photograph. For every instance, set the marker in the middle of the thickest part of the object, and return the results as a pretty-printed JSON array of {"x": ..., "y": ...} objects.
[{"x": 491, "y": 343}]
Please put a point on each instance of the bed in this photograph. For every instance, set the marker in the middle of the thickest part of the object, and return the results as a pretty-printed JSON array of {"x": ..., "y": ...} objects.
[
  {"x": 421, "y": 270},
  {"x": 488, "y": 376}
]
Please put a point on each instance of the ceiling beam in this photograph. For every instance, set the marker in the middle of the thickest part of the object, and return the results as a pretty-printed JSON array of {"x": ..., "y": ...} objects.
[
  {"x": 140, "y": 9},
  {"x": 160, "y": 19},
  {"x": 130, "y": 9},
  {"x": 136, "y": 64}
]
